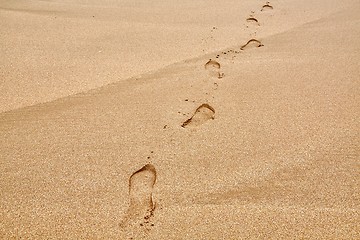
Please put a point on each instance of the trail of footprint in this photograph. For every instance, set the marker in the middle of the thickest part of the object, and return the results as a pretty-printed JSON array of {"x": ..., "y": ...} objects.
[
  {"x": 252, "y": 43},
  {"x": 202, "y": 114},
  {"x": 141, "y": 209}
]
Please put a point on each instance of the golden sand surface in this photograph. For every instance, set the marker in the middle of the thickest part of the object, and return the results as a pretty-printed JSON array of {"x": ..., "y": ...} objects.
[{"x": 179, "y": 119}]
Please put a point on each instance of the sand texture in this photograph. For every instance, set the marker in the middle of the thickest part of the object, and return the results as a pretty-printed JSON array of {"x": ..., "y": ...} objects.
[{"x": 179, "y": 119}]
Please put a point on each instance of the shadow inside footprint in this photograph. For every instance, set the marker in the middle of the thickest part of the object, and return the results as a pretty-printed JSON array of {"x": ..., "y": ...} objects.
[
  {"x": 266, "y": 7},
  {"x": 202, "y": 114},
  {"x": 211, "y": 64},
  {"x": 252, "y": 43},
  {"x": 141, "y": 184}
]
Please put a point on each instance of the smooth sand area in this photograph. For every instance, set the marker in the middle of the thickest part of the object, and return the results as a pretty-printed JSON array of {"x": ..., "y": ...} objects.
[{"x": 115, "y": 123}]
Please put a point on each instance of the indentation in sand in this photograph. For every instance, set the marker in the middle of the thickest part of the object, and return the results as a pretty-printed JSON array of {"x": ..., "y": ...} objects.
[
  {"x": 202, "y": 114},
  {"x": 213, "y": 67},
  {"x": 267, "y": 6},
  {"x": 141, "y": 184},
  {"x": 252, "y": 20},
  {"x": 211, "y": 64},
  {"x": 252, "y": 43}
]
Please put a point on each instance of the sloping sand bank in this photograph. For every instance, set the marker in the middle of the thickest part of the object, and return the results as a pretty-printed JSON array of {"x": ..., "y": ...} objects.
[{"x": 53, "y": 48}]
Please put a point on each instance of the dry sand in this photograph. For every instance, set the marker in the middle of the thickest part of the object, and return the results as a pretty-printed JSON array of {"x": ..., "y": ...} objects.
[{"x": 114, "y": 124}]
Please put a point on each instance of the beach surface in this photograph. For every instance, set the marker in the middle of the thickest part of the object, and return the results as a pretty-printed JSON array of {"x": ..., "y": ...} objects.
[{"x": 179, "y": 119}]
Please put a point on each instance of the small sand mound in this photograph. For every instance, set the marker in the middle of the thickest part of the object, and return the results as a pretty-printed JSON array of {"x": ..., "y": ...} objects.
[
  {"x": 202, "y": 114},
  {"x": 252, "y": 43}
]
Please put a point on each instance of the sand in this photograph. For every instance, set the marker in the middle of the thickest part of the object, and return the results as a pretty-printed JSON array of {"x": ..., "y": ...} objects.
[{"x": 162, "y": 120}]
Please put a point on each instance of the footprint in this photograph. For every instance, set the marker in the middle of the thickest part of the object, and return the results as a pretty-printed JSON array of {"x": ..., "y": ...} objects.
[
  {"x": 141, "y": 185},
  {"x": 252, "y": 43},
  {"x": 141, "y": 209},
  {"x": 211, "y": 64},
  {"x": 253, "y": 21},
  {"x": 267, "y": 6},
  {"x": 213, "y": 67},
  {"x": 202, "y": 114}
]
